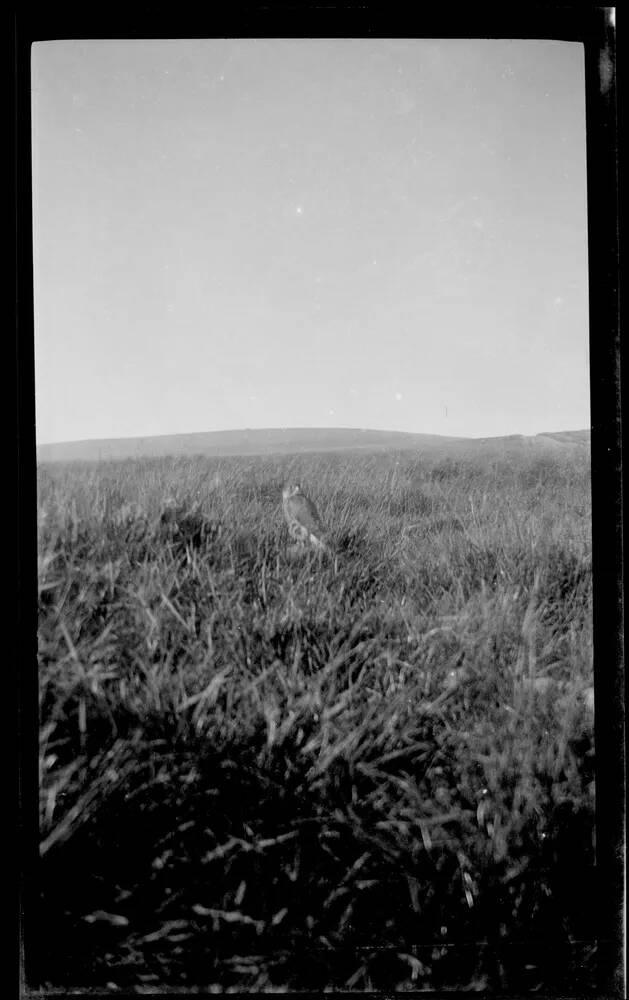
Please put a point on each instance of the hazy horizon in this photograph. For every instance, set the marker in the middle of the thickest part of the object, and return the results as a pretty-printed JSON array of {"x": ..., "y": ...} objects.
[
  {"x": 357, "y": 233},
  {"x": 365, "y": 430}
]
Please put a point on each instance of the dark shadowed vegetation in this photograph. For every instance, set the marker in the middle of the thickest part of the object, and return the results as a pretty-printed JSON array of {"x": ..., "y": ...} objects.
[{"x": 263, "y": 771}]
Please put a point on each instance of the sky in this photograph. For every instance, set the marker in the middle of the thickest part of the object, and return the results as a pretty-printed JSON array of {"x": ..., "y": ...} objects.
[{"x": 385, "y": 234}]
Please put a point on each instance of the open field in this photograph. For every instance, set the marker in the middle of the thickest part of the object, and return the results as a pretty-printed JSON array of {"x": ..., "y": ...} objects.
[{"x": 265, "y": 771}]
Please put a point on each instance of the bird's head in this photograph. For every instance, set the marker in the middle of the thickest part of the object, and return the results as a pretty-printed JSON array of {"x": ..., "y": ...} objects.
[{"x": 291, "y": 490}]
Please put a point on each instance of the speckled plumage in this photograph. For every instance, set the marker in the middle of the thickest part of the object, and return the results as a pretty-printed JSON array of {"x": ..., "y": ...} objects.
[{"x": 302, "y": 518}]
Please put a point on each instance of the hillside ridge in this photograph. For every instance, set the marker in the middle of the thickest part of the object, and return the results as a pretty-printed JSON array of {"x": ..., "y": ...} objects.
[{"x": 289, "y": 440}]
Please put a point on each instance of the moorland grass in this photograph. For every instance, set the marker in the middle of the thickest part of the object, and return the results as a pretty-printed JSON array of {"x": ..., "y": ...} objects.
[{"x": 263, "y": 770}]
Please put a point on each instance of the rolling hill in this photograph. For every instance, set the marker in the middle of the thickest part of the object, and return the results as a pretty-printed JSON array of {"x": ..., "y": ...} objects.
[{"x": 298, "y": 440}]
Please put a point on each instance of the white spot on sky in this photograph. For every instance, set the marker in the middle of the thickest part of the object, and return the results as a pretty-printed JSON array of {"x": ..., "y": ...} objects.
[
  {"x": 558, "y": 301},
  {"x": 299, "y": 210},
  {"x": 331, "y": 412},
  {"x": 398, "y": 396}
]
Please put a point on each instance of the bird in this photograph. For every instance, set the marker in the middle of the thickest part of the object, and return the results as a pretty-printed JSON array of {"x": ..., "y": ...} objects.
[{"x": 302, "y": 518}]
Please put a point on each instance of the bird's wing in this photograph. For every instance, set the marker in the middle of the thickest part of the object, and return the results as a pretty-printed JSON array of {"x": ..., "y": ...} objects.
[{"x": 306, "y": 513}]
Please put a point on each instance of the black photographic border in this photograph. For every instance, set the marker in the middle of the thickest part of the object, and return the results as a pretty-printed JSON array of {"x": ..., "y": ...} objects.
[{"x": 594, "y": 27}]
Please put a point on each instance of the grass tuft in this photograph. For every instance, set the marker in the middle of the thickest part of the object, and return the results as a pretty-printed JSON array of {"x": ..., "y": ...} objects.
[{"x": 266, "y": 770}]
